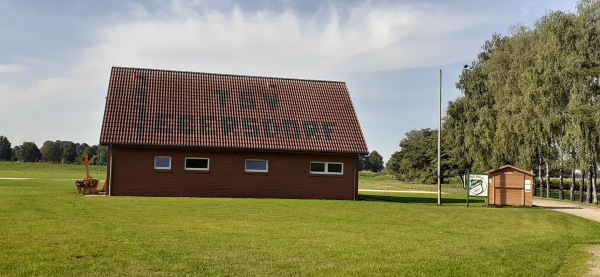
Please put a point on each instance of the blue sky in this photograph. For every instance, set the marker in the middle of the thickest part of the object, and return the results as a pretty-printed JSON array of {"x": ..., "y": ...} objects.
[{"x": 56, "y": 56}]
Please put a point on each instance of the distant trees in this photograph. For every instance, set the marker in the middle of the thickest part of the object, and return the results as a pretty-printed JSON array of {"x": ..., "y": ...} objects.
[
  {"x": 51, "y": 151},
  {"x": 5, "y": 149},
  {"x": 372, "y": 162},
  {"x": 28, "y": 152},
  {"x": 532, "y": 99}
]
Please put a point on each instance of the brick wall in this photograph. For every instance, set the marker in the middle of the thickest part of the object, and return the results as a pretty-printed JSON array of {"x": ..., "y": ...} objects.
[{"x": 289, "y": 174}]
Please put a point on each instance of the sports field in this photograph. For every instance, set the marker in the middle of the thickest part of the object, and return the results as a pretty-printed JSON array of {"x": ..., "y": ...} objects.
[{"x": 47, "y": 229}]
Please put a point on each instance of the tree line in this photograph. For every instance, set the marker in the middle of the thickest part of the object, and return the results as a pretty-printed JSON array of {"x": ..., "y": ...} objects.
[
  {"x": 530, "y": 99},
  {"x": 51, "y": 151},
  {"x": 67, "y": 152}
]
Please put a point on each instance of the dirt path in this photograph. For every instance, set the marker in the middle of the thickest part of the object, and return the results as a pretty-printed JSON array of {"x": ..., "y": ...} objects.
[
  {"x": 585, "y": 211},
  {"x": 589, "y": 212},
  {"x": 594, "y": 263},
  {"x": 402, "y": 191}
]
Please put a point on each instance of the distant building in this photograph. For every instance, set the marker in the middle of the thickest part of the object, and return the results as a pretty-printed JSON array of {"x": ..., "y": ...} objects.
[{"x": 174, "y": 133}]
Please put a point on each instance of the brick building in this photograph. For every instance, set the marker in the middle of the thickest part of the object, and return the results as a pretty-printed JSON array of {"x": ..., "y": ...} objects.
[{"x": 174, "y": 133}]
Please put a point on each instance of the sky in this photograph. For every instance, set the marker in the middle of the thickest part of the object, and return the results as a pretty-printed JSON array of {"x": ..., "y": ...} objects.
[{"x": 56, "y": 56}]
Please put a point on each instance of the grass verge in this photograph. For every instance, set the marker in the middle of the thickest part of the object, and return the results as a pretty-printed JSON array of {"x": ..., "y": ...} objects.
[{"x": 49, "y": 230}]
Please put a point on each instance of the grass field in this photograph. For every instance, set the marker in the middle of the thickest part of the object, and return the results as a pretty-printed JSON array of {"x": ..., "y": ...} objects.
[{"x": 47, "y": 229}]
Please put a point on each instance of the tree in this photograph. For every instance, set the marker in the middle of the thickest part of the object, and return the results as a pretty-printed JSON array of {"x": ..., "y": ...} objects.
[
  {"x": 51, "y": 152},
  {"x": 15, "y": 152},
  {"x": 69, "y": 152},
  {"x": 393, "y": 164},
  {"x": 363, "y": 163},
  {"x": 417, "y": 159},
  {"x": 375, "y": 161},
  {"x": 532, "y": 99},
  {"x": 28, "y": 152},
  {"x": 5, "y": 149},
  {"x": 80, "y": 149}
]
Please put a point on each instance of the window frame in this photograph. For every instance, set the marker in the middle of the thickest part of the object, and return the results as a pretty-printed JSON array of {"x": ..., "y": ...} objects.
[
  {"x": 163, "y": 168},
  {"x": 266, "y": 170},
  {"x": 207, "y": 168},
  {"x": 326, "y": 172}
]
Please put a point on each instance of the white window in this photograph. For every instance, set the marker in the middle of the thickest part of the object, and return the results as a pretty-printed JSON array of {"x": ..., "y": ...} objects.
[
  {"x": 197, "y": 164},
  {"x": 162, "y": 163},
  {"x": 257, "y": 166},
  {"x": 326, "y": 168}
]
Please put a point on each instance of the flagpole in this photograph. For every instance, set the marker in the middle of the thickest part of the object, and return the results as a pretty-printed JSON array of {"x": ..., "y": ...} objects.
[{"x": 439, "y": 150}]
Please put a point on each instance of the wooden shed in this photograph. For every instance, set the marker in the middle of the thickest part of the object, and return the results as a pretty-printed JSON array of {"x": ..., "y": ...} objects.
[
  {"x": 176, "y": 133},
  {"x": 511, "y": 186}
]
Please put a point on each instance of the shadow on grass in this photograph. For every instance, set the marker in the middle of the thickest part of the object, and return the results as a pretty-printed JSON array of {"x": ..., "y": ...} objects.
[{"x": 419, "y": 200}]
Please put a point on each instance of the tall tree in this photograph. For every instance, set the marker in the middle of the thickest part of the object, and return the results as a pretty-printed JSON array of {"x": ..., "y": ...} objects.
[{"x": 5, "y": 149}]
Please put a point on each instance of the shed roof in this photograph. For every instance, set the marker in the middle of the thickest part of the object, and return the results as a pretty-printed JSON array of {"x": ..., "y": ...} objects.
[
  {"x": 513, "y": 168},
  {"x": 177, "y": 108}
]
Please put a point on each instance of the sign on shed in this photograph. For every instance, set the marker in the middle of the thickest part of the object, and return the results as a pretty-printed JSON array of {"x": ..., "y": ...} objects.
[{"x": 511, "y": 186}]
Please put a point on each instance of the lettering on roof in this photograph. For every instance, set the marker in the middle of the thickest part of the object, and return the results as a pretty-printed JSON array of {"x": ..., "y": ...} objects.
[
  {"x": 249, "y": 127},
  {"x": 212, "y": 125}
]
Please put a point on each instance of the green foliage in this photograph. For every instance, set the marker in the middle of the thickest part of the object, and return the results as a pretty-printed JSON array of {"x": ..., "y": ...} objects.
[
  {"x": 375, "y": 161},
  {"x": 28, "y": 152},
  {"x": 363, "y": 163},
  {"x": 416, "y": 161},
  {"x": 372, "y": 162},
  {"x": 532, "y": 98},
  {"x": 51, "y": 152},
  {"x": 15, "y": 152},
  {"x": 5, "y": 149},
  {"x": 67, "y": 151},
  {"x": 50, "y": 230}
]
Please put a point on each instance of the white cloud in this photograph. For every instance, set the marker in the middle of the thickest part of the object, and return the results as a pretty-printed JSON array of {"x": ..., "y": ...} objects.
[
  {"x": 284, "y": 44},
  {"x": 11, "y": 68}
]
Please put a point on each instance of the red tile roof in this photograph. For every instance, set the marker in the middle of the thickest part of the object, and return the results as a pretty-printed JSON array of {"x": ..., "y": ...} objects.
[{"x": 176, "y": 108}]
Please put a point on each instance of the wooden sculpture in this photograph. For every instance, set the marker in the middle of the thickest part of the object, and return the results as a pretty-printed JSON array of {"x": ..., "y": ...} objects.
[{"x": 89, "y": 184}]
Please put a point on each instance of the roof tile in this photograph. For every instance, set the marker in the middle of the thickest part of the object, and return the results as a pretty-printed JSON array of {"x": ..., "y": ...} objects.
[{"x": 175, "y": 108}]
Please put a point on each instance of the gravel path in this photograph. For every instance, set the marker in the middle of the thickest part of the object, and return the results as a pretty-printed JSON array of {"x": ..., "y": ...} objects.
[{"x": 585, "y": 211}]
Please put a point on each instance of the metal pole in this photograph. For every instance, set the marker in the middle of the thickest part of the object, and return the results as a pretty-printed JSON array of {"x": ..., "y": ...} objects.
[
  {"x": 439, "y": 151},
  {"x": 468, "y": 188}
]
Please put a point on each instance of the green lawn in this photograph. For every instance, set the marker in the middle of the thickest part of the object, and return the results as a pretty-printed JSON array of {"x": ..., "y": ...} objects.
[
  {"x": 369, "y": 180},
  {"x": 47, "y": 229}
]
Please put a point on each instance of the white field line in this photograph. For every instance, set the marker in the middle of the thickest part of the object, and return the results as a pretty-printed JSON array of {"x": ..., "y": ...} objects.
[{"x": 401, "y": 191}]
